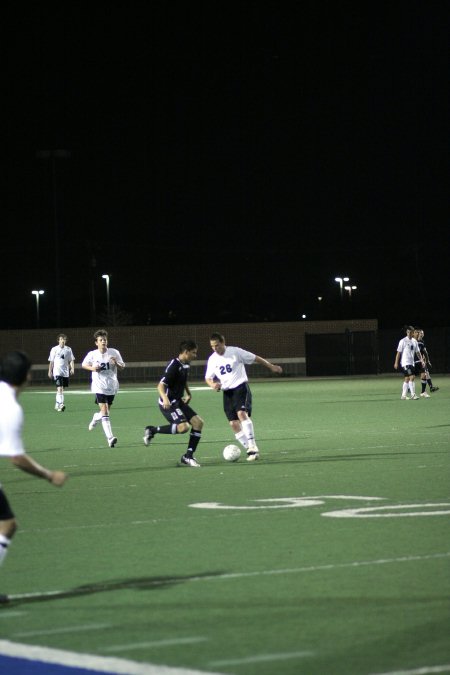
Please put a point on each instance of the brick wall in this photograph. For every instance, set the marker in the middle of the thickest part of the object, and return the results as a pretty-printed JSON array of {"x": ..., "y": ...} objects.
[{"x": 159, "y": 343}]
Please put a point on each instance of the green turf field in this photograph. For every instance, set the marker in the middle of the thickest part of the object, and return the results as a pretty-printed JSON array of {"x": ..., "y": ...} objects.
[{"x": 329, "y": 555}]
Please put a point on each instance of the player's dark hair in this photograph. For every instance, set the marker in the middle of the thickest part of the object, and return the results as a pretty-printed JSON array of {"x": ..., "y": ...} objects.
[
  {"x": 14, "y": 368},
  {"x": 100, "y": 333},
  {"x": 218, "y": 337},
  {"x": 187, "y": 346},
  {"x": 405, "y": 328},
  {"x": 63, "y": 335}
]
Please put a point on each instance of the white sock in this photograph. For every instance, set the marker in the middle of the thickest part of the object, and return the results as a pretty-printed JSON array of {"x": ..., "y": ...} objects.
[
  {"x": 405, "y": 389},
  {"x": 4, "y": 543},
  {"x": 106, "y": 424},
  {"x": 412, "y": 386},
  {"x": 242, "y": 439},
  {"x": 247, "y": 427}
]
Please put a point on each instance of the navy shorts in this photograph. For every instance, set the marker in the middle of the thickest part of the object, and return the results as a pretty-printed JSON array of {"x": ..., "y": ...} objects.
[
  {"x": 178, "y": 412},
  {"x": 5, "y": 509},
  {"x": 239, "y": 398},
  {"x": 408, "y": 371},
  {"x": 418, "y": 368},
  {"x": 104, "y": 398},
  {"x": 61, "y": 381}
]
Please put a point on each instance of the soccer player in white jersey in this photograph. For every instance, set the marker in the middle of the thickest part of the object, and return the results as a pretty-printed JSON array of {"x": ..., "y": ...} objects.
[
  {"x": 103, "y": 362},
  {"x": 407, "y": 351},
  {"x": 225, "y": 371},
  {"x": 61, "y": 364},
  {"x": 14, "y": 374}
]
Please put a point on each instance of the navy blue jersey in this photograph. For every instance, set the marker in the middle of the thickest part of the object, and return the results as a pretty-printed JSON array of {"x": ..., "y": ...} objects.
[
  {"x": 175, "y": 378},
  {"x": 422, "y": 349}
]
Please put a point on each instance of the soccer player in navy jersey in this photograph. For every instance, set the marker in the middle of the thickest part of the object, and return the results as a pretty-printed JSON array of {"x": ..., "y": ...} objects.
[{"x": 174, "y": 399}]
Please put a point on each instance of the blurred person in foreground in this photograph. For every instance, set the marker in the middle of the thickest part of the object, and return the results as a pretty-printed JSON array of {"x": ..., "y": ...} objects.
[{"x": 14, "y": 375}]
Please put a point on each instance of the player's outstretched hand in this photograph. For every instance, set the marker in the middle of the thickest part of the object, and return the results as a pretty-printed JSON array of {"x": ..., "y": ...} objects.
[{"x": 58, "y": 478}]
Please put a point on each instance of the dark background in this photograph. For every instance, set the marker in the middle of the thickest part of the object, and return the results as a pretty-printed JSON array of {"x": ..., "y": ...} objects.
[{"x": 227, "y": 162}]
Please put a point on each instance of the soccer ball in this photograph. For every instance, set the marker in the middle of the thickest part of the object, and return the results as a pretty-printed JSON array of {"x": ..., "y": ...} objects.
[{"x": 231, "y": 453}]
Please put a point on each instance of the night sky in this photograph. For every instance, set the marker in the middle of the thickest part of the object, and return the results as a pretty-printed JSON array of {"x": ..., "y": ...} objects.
[{"x": 227, "y": 162}]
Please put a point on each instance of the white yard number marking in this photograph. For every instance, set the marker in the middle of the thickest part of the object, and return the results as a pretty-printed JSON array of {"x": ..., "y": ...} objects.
[{"x": 393, "y": 511}]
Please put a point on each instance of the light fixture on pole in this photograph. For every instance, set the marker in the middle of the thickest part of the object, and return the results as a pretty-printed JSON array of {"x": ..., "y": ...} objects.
[
  {"x": 37, "y": 294},
  {"x": 106, "y": 278},
  {"x": 340, "y": 281},
  {"x": 52, "y": 156},
  {"x": 349, "y": 290}
]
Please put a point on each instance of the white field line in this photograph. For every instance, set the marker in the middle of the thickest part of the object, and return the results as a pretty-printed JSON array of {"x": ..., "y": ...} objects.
[
  {"x": 373, "y": 511},
  {"x": 262, "y": 658},
  {"x": 424, "y": 670},
  {"x": 154, "y": 643},
  {"x": 244, "y": 575},
  {"x": 101, "y": 664},
  {"x": 88, "y": 392},
  {"x": 66, "y": 629}
]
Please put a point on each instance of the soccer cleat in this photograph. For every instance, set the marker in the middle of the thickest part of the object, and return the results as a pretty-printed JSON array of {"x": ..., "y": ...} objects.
[
  {"x": 61, "y": 408},
  {"x": 189, "y": 461},
  {"x": 414, "y": 398},
  {"x": 425, "y": 395},
  {"x": 405, "y": 398},
  {"x": 112, "y": 441},
  {"x": 148, "y": 435},
  {"x": 92, "y": 424},
  {"x": 434, "y": 388},
  {"x": 252, "y": 453}
]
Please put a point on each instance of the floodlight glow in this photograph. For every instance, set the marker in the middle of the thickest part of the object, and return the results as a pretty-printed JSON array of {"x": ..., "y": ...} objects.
[
  {"x": 106, "y": 278},
  {"x": 37, "y": 294}
]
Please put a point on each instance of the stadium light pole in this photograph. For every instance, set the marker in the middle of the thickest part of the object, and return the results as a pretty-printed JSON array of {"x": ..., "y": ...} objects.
[
  {"x": 52, "y": 156},
  {"x": 37, "y": 294},
  {"x": 340, "y": 281},
  {"x": 106, "y": 278},
  {"x": 349, "y": 290}
]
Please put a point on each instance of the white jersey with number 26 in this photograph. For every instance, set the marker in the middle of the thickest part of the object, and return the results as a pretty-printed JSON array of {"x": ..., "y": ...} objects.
[{"x": 229, "y": 367}]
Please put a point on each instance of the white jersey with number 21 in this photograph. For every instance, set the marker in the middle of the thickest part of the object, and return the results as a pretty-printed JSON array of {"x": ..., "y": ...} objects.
[{"x": 104, "y": 381}]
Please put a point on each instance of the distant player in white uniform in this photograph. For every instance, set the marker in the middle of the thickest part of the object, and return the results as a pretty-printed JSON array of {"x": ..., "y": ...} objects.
[
  {"x": 14, "y": 374},
  {"x": 103, "y": 362},
  {"x": 61, "y": 364},
  {"x": 407, "y": 351},
  {"x": 225, "y": 371}
]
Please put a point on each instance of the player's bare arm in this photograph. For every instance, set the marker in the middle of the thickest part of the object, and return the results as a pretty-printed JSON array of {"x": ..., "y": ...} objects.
[
  {"x": 162, "y": 390},
  {"x": 29, "y": 465},
  {"x": 116, "y": 363},
  {"x": 214, "y": 384},
  {"x": 271, "y": 366}
]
